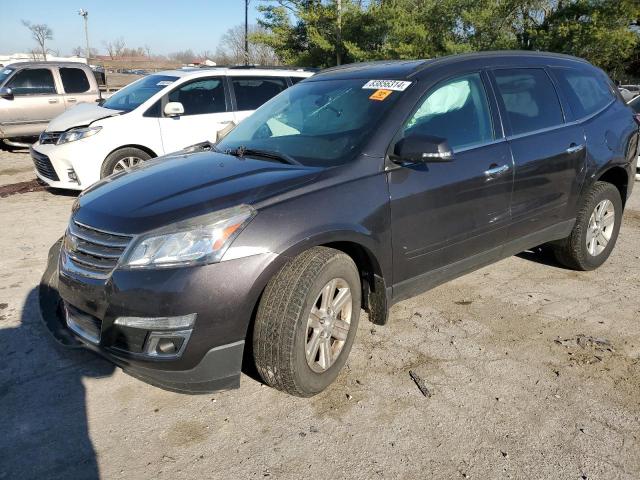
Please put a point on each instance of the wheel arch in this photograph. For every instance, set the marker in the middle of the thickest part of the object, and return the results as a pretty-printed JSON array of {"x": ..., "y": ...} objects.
[
  {"x": 619, "y": 178},
  {"x": 145, "y": 149}
]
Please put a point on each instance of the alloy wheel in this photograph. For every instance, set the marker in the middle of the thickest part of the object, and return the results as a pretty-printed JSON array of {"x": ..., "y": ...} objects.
[
  {"x": 126, "y": 162},
  {"x": 600, "y": 227},
  {"x": 328, "y": 325}
]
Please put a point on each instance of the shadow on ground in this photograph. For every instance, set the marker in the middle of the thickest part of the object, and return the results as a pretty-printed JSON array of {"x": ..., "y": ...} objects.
[{"x": 42, "y": 400}]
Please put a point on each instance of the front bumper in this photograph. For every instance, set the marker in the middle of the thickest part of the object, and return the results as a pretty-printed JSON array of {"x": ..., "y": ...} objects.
[
  {"x": 223, "y": 296},
  {"x": 72, "y": 166}
]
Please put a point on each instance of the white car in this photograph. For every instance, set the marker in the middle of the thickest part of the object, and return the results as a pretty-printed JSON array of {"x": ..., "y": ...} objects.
[{"x": 156, "y": 115}]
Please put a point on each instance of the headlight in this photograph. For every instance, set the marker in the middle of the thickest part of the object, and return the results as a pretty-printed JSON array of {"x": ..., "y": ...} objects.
[
  {"x": 78, "y": 134},
  {"x": 199, "y": 240}
]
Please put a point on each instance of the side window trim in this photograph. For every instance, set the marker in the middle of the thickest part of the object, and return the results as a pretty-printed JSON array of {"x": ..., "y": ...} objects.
[
  {"x": 165, "y": 97},
  {"x": 508, "y": 131},
  {"x": 54, "y": 75}
]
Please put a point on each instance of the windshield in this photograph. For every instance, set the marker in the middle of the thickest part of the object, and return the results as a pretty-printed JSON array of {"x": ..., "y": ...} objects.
[
  {"x": 322, "y": 123},
  {"x": 134, "y": 95},
  {"x": 4, "y": 73}
]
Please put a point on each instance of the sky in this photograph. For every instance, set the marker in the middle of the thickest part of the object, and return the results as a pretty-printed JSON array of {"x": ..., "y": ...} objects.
[{"x": 166, "y": 25}]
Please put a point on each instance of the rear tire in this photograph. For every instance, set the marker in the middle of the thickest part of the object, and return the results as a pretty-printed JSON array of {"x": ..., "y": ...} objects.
[
  {"x": 123, "y": 159},
  {"x": 306, "y": 322},
  {"x": 596, "y": 230}
]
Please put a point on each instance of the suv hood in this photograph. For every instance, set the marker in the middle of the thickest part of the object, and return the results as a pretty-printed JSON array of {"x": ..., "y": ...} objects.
[
  {"x": 80, "y": 116},
  {"x": 178, "y": 187}
]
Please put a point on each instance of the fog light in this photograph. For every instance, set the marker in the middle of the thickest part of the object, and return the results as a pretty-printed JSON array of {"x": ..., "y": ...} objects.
[
  {"x": 167, "y": 344},
  {"x": 157, "y": 323}
]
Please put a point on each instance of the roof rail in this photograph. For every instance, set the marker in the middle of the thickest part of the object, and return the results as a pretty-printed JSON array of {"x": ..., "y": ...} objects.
[{"x": 280, "y": 67}]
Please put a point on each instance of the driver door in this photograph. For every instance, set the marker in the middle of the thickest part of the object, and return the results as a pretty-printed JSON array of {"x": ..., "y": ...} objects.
[
  {"x": 445, "y": 213},
  {"x": 206, "y": 111}
]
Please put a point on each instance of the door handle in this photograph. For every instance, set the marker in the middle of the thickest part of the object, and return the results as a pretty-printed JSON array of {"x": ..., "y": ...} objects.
[
  {"x": 53, "y": 100},
  {"x": 573, "y": 148},
  {"x": 495, "y": 171},
  {"x": 71, "y": 99}
]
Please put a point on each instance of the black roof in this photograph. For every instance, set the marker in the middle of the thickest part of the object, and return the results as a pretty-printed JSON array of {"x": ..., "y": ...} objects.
[{"x": 404, "y": 69}]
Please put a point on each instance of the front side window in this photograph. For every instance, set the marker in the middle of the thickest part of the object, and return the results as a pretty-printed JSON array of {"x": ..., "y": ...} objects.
[
  {"x": 135, "y": 94},
  {"x": 457, "y": 111},
  {"x": 251, "y": 92},
  {"x": 201, "y": 96},
  {"x": 33, "y": 81},
  {"x": 586, "y": 92},
  {"x": 74, "y": 80},
  {"x": 529, "y": 98},
  {"x": 321, "y": 123}
]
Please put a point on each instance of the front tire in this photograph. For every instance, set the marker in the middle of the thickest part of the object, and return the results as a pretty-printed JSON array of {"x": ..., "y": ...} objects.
[
  {"x": 306, "y": 322},
  {"x": 596, "y": 230},
  {"x": 123, "y": 159}
]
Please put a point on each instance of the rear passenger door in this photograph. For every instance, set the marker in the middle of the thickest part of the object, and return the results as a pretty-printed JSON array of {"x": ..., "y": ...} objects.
[
  {"x": 76, "y": 85},
  {"x": 251, "y": 92},
  {"x": 548, "y": 152},
  {"x": 206, "y": 111}
]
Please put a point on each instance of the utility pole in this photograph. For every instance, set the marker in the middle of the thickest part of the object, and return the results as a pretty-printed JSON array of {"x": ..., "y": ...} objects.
[
  {"x": 85, "y": 14},
  {"x": 246, "y": 32},
  {"x": 339, "y": 35}
]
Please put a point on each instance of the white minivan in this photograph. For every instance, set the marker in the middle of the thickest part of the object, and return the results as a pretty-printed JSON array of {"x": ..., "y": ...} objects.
[{"x": 156, "y": 115}]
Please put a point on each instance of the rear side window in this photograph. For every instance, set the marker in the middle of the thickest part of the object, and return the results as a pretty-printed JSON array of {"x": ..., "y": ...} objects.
[
  {"x": 74, "y": 80},
  {"x": 529, "y": 99},
  {"x": 251, "y": 92},
  {"x": 201, "y": 96},
  {"x": 587, "y": 93},
  {"x": 32, "y": 81}
]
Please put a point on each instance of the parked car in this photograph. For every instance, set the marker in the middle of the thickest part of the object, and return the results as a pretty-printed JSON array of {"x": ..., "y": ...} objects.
[
  {"x": 32, "y": 93},
  {"x": 635, "y": 105},
  {"x": 155, "y": 115},
  {"x": 354, "y": 189},
  {"x": 627, "y": 95}
]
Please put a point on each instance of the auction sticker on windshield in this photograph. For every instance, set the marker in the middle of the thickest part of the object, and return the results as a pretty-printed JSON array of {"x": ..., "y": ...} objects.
[
  {"x": 397, "y": 85},
  {"x": 380, "y": 95}
]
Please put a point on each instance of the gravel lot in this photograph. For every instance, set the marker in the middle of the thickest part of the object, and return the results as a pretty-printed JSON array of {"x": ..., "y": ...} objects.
[{"x": 534, "y": 372}]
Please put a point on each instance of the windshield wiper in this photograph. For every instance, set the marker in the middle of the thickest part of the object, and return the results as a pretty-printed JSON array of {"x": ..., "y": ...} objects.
[{"x": 252, "y": 152}]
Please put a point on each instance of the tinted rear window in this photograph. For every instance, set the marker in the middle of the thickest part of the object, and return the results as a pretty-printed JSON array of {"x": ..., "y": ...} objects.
[
  {"x": 74, "y": 80},
  {"x": 587, "y": 92},
  {"x": 529, "y": 98},
  {"x": 251, "y": 92}
]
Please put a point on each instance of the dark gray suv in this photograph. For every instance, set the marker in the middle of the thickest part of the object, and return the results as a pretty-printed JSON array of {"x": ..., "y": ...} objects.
[{"x": 354, "y": 189}]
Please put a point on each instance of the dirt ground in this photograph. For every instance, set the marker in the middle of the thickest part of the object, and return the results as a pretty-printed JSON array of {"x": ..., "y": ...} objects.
[{"x": 533, "y": 370}]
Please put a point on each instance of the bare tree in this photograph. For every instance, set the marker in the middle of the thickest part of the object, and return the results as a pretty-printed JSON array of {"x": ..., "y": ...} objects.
[
  {"x": 40, "y": 32},
  {"x": 231, "y": 48},
  {"x": 115, "y": 47},
  {"x": 147, "y": 48},
  {"x": 82, "y": 51},
  {"x": 184, "y": 56}
]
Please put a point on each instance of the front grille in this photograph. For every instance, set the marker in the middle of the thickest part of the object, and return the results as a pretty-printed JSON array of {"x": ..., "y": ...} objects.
[
  {"x": 83, "y": 324},
  {"x": 43, "y": 166},
  {"x": 92, "y": 252},
  {"x": 49, "y": 137}
]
